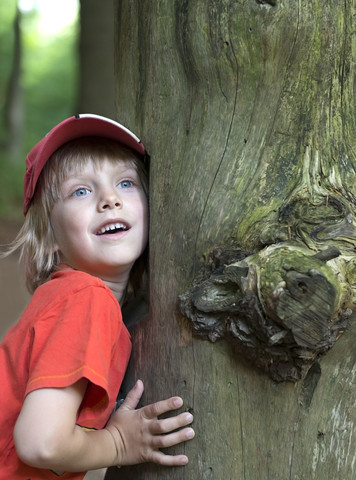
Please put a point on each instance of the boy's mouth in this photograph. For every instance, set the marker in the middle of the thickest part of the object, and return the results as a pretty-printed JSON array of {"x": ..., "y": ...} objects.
[{"x": 112, "y": 228}]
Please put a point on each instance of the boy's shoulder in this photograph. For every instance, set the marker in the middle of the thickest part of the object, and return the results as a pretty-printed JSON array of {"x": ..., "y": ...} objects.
[
  {"x": 68, "y": 274},
  {"x": 68, "y": 281},
  {"x": 70, "y": 289}
]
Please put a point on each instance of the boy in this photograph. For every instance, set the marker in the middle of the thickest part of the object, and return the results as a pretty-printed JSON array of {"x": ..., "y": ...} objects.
[{"x": 61, "y": 365}]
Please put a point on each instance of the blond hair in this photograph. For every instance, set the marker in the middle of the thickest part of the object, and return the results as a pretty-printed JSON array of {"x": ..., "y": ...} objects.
[{"x": 35, "y": 240}]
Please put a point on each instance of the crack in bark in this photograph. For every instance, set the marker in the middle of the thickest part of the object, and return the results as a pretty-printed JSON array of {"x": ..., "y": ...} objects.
[
  {"x": 272, "y": 3},
  {"x": 309, "y": 385},
  {"x": 306, "y": 394},
  {"x": 291, "y": 458},
  {"x": 224, "y": 151},
  {"x": 241, "y": 429}
]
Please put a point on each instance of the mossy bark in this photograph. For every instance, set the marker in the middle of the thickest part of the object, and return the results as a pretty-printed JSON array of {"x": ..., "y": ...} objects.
[{"x": 247, "y": 109}]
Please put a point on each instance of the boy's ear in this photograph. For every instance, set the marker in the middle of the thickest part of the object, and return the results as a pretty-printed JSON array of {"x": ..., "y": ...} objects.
[
  {"x": 55, "y": 248},
  {"x": 51, "y": 240}
]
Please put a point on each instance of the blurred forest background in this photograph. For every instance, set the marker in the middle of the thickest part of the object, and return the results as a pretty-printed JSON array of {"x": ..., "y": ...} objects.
[{"x": 56, "y": 60}]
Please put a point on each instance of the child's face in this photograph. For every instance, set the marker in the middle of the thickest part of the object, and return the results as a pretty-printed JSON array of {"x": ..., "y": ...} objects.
[{"x": 100, "y": 222}]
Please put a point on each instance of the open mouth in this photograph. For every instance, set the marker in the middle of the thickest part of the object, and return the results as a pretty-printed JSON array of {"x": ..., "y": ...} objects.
[{"x": 112, "y": 228}]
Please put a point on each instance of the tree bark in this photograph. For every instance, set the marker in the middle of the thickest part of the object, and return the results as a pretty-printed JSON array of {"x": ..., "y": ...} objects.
[{"x": 247, "y": 109}]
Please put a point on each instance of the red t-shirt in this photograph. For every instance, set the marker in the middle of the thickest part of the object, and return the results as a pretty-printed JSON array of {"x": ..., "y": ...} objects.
[{"x": 71, "y": 329}]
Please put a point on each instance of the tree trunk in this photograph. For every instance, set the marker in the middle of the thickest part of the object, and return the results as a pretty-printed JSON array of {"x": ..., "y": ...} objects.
[
  {"x": 13, "y": 102},
  {"x": 96, "y": 85},
  {"x": 247, "y": 109}
]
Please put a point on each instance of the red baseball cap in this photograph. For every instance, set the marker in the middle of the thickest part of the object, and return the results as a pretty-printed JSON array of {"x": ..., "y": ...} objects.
[{"x": 83, "y": 125}]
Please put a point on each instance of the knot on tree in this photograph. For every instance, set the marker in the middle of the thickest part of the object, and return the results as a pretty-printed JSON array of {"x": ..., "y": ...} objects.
[
  {"x": 330, "y": 219},
  {"x": 281, "y": 308}
]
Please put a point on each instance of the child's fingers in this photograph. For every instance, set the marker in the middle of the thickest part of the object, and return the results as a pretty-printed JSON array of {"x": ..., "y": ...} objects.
[
  {"x": 169, "y": 424},
  {"x": 134, "y": 396},
  {"x": 159, "y": 408},
  {"x": 169, "y": 460},
  {"x": 166, "y": 441},
  {"x": 171, "y": 439}
]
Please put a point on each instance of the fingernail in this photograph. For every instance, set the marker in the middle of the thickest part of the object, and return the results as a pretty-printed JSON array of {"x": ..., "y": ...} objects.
[
  {"x": 184, "y": 460},
  {"x": 190, "y": 433},
  {"x": 178, "y": 402},
  {"x": 189, "y": 417}
]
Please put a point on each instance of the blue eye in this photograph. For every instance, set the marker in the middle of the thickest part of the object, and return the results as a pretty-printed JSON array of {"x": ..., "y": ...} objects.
[
  {"x": 81, "y": 192},
  {"x": 125, "y": 184}
]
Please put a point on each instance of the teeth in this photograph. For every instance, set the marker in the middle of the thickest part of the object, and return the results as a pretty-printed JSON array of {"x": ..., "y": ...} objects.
[{"x": 112, "y": 226}]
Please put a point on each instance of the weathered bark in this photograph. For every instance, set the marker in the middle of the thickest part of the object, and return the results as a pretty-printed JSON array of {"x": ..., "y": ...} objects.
[{"x": 247, "y": 109}]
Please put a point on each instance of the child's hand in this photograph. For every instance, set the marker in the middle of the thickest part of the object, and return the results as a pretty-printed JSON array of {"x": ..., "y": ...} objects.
[{"x": 139, "y": 434}]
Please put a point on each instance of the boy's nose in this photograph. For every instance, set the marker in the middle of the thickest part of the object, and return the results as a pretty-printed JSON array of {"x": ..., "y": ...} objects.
[{"x": 109, "y": 201}]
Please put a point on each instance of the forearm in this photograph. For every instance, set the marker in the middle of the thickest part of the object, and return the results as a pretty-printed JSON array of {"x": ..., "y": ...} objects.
[
  {"x": 46, "y": 434},
  {"x": 81, "y": 451}
]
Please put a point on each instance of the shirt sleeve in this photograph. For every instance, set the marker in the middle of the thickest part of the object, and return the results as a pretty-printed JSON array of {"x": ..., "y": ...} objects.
[{"x": 76, "y": 340}]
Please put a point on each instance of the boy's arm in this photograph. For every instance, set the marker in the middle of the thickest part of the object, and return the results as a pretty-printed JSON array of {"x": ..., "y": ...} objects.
[{"x": 46, "y": 435}]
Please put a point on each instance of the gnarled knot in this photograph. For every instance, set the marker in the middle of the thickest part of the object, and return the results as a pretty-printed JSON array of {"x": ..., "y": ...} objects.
[{"x": 281, "y": 308}]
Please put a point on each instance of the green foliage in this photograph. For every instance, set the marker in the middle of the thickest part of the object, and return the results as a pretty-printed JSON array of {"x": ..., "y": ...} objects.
[
  {"x": 49, "y": 80},
  {"x": 7, "y": 15},
  {"x": 49, "y": 72}
]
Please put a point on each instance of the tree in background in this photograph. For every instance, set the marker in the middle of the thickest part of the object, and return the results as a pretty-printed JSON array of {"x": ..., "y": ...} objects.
[
  {"x": 248, "y": 111},
  {"x": 13, "y": 102},
  {"x": 50, "y": 70},
  {"x": 96, "y": 83},
  {"x": 38, "y": 88}
]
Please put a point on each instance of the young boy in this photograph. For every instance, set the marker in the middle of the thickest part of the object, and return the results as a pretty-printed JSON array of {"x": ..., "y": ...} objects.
[{"x": 62, "y": 364}]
